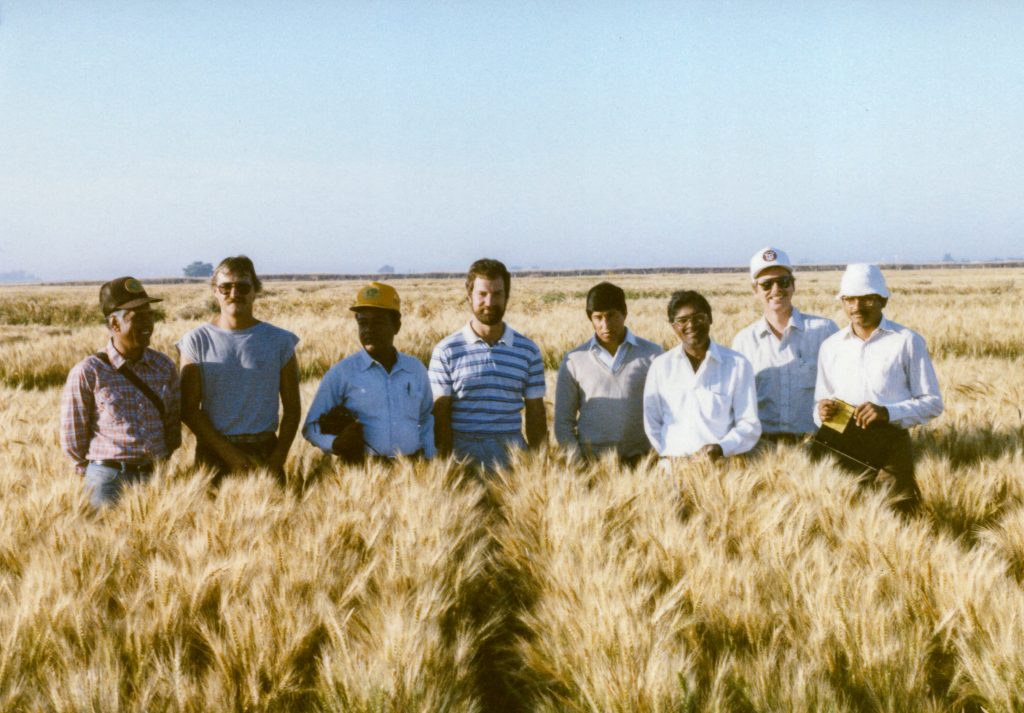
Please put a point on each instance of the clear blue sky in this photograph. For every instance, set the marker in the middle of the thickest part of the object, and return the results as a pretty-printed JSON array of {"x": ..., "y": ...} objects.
[{"x": 138, "y": 136}]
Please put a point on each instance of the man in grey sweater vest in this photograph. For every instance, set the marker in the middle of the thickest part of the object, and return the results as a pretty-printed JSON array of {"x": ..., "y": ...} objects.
[{"x": 599, "y": 395}]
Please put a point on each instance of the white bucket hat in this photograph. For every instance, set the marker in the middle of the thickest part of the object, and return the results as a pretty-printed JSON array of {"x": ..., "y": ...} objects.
[
  {"x": 862, "y": 279},
  {"x": 769, "y": 257}
]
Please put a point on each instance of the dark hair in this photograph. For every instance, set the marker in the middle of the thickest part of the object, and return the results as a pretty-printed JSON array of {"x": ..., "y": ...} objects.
[
  {"x": 237, "y": 265},
  {"x": 687, "y": 298},
  {"x": 605, "y": 296},
  {"x": 489, "y": 270}
]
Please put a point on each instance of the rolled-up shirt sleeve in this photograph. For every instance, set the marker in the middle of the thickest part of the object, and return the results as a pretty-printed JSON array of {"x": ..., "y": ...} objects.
[
  {"x": 328, "y": 395},
  {"x": 654, "y": 419},
  {"x": 77, "y": 406},
  {"x": 172, "y": 412},
  {"x": 822, "y": 388},
  {"x": 925, "y": 402},
  {"x": 747, "y": 426},
  {"x": 427, "y": 421}
]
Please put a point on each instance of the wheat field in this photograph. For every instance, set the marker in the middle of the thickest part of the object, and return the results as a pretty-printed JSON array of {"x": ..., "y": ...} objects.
[{"x": 766, "y": 583}]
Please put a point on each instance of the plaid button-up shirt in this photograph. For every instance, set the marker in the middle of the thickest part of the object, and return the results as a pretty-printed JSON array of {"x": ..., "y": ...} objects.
[{"x": 103, "y": 416}]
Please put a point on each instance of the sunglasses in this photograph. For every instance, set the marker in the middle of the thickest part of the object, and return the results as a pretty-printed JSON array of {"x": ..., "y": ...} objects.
[
  {"x": 784, "y": 283},
  {"x": 242, "y": 288}
]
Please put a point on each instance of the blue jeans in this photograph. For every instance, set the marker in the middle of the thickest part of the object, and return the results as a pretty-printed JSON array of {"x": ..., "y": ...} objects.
[
  {"x": 104, "y": 484},
  {"x": 489, "y": 451}
]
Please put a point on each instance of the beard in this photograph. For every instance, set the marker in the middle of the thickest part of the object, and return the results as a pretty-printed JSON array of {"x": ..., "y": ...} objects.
[{"x": 490, "y": 315}]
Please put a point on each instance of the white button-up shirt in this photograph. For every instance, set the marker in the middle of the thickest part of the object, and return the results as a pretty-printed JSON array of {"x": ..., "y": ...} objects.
[
  {"x": 785, "y": 370},
  {"x": 890, "y": 368},
  {"x": 686, "y": 410},
  {"x": 395, "y": 408}
]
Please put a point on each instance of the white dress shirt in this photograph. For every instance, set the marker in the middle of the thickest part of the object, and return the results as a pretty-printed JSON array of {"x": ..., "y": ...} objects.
[
  {"x": 785, "y": 370},
  {"x": 395, "y": 408},
  {"x": 890, "y": 368},
  {"x": 685, "y": 411}
]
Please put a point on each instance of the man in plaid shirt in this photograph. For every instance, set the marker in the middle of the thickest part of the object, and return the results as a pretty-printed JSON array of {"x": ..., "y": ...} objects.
[{"x": 120, "y": 408}]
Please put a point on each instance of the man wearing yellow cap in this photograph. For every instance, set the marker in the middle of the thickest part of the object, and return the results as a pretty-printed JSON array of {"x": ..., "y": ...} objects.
[{"x": 387, "y": 392}]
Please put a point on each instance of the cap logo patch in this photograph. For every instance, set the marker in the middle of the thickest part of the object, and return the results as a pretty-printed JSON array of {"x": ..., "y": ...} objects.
[
  {"x": 769, "y": 256},
  {"x": 132, "y": 285},
  {"x": 371, "y": 293}
]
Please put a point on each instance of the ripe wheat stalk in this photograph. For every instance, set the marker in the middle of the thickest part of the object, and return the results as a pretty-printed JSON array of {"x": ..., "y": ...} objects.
[{"x": 766, "y": 583}]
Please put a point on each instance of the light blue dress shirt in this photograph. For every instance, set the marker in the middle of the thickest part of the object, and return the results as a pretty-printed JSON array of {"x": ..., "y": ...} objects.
[
  {"x": 785, "y": 370},
  {"x": 395, "y": 408}
]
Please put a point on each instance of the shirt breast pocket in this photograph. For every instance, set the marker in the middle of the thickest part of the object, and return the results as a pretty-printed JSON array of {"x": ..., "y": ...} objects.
[
  {"x": 411, "y": 398},
  {"x": 112, "y": 402},
  {"x": 807, "y": 373},
  {"x": 713, "y": 405}
]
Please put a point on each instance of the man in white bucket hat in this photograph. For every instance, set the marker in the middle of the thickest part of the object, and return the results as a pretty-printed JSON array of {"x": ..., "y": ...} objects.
[
  {"x": 783, "y": 347},
  {"x": 883, "y": 370}
]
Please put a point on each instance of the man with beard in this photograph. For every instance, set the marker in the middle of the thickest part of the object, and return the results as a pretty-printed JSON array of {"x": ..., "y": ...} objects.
[
  {"x": 599, "y": 395},
  {"x": 699, "y": 398},
  {"x": 235, "y": 373},
  {"x": 484, "y": 376},
  {"x": 881, "y": 369},
  {"x": 119, "y": 411},
  {"x": 387, "y": 392},
  {"x": 783, "y": 348}
]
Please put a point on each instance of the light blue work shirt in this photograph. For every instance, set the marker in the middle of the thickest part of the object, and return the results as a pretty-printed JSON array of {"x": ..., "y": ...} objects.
[{"x": 395, "y": 408}]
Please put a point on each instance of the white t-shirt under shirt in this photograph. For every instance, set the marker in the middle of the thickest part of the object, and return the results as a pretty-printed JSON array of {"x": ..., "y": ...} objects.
[{"x": 240, "y": 370}]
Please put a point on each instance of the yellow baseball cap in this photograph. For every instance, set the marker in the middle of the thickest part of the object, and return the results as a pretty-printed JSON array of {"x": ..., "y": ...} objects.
[{"x": 379, "y": 295}]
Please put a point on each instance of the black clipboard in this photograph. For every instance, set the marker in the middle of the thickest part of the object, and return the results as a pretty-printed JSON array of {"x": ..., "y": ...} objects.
[{"x": 856, "y": 448}]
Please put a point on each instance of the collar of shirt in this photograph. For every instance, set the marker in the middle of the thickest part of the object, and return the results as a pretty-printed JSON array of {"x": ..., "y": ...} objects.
[
  {"x": 365, "y": 362},
  {"x": 472, "y": 337},
  {"x": 630, "y": 339},
  {"x": 796, "y": 321},
  {"x": 714, "y": 354},
  {"x": 117, "y": 360}
]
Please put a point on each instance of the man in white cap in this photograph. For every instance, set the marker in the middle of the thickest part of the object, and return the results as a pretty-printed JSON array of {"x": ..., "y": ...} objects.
[
  {"x": 783, "y": 347},
  {"x": 883, "y": 370},
  {"x": 383, "y": 395}
]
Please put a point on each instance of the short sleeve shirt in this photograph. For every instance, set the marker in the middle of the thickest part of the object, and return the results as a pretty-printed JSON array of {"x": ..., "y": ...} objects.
[{"x": 241, "y": 374}]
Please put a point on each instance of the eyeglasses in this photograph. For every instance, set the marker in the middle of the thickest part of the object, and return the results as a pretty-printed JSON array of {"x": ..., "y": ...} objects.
[
  {"x": 784, "y": 282},
  {"x": 242, "y": 288},
  {"x": 697, "y": 319}
]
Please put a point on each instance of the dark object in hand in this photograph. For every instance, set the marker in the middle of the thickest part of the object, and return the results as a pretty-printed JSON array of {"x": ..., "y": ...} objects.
[
  {"x": 348, "y": 432},
  {"x": 349, "y": 444},
  {"x": 333, "y": 422}
]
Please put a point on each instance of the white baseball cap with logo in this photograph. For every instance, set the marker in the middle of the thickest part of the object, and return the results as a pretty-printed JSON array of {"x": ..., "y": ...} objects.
[
  {"x": 861, "y": 279},
  {"x": 769, "y": 257}
]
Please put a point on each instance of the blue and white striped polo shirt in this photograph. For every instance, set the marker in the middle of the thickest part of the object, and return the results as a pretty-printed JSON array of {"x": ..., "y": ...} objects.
[{"x": 487, "y": 383}]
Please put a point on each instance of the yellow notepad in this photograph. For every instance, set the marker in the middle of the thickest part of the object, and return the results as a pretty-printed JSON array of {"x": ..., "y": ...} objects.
[{"x": 842, "y": 416}]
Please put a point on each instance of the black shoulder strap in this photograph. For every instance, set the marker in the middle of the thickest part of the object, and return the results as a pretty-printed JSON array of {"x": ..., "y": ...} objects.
[{"x": 136, "y": 381}]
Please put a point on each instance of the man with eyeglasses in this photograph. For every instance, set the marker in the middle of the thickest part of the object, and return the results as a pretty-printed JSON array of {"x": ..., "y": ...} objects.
[
  {"x": 385, "y": 394},
  {"x": 699, "y": 398},
  {"x": 783, "y": 348},
  {"x": 119, "y": 410},
  {"x": 235, "y": 370},
  {"x": 881, "y": 369}
]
